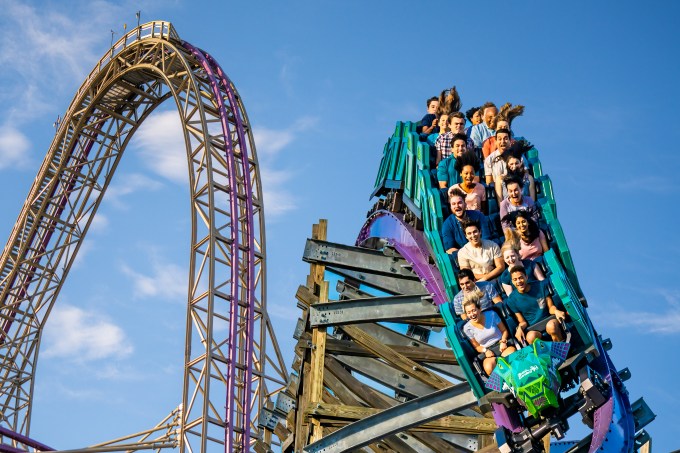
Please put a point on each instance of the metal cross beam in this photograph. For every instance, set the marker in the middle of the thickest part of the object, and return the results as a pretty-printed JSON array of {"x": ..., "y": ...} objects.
[
  {"x": 395, "y": 419},
  {"x": 372, "y": 309},
  {"x": 357, "y": 258},
  {"x": 349, "y": 291},
  {"x": 388, "y": 284}
]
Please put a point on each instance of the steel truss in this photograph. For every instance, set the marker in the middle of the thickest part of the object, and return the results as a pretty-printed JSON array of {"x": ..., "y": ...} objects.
[{"x": 239, "y": 367}]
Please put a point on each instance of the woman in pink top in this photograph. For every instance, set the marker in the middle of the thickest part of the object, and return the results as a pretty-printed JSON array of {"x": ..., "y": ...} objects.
[
  {"x": 468, "y": 166},
  {"x": 532, "y": 241}
]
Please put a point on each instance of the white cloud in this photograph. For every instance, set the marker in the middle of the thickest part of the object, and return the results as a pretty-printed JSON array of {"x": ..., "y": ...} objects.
[
  {"x": 166, "y": 280},
  {"x": 99, "y": 223},
  {"x": 161, "y": 145},
  {"x": 14, "y": 147},
  {"x": 282, "y": 311},
  {"x": 270, "y": 141},
  {"x": 63, "y": 45},
  {"x": 126, "y": 185},
  {"x": 76, "y": 335},
  {"x": 160, "y": 140},
  {"x": 44, "y": 40},
  {"x": 45, "y": 50},
  {"x": 664, "y": 320},
  {"x": 278, "y": 199},
  {"x": 29, "y": 104},
  {"x": 86, "y": 247}
]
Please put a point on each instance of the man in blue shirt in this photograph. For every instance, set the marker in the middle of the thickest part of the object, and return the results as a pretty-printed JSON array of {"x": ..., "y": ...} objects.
[
  {"x": 531, "y": 303},
  {"x": 466, "y": 280},
  {"x": 483, "y": 130},
  {"x": 428, "y": 125},
  {"x": 453, "y": 235}
]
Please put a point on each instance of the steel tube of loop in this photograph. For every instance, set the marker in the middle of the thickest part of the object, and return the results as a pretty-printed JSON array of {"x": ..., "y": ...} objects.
[
  {"x": 24, "y": 439},
  {"x": 234, "y": 308},
  {"x": 250, "y": 236}
]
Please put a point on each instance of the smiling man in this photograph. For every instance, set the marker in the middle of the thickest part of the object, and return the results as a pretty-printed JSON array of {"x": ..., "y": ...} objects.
[
  {"x": 483, "y": 130},
  {"x": 481, "y": 255},
  {"x": 453, "y": 235},
  {"x": 487, "y": 290},
  {"x": 494, "y": 165},
  {"x": 531, "y": 303}
]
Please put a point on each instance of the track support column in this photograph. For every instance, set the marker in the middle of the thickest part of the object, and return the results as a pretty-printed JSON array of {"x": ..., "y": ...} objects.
[{"x": 316, "y": 281}]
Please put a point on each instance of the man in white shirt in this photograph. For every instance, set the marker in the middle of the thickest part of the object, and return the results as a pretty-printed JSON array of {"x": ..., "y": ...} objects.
[{"x": 481, "y": 255}]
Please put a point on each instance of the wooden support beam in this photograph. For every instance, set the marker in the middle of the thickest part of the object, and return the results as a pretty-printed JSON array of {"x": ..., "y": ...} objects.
[
  {"x": 340, "y": 388},
  {"x": 415, "y": 353},
  {"x": 492, "y": 448},
  {"x": 306, "y": 296},
  {"x": 348, "y": 398},
  {"x": 355, "y": 386},
  {"x": 340, "y": 415},
  {"x": 287, "y": 445},
  {"x": 319, "y": 287},
  {"x": 281, "y": 431},
  {"x": 399, "y": 361},
  {"x": 301, "y": 426},
  {"x": 646, "y": 447},
  {"x": 318, "y": 351}
]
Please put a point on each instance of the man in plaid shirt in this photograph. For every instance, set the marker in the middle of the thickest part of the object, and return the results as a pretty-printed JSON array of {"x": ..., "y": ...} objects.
[{"x": 445, "y": 141}]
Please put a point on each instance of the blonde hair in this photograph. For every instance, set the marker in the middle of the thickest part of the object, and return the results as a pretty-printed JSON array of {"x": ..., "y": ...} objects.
[
  {"x": 511, "y": 240},
  {"x": 473, "y": 298}
]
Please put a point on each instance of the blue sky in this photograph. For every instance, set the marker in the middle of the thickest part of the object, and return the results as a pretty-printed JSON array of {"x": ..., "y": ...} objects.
[{"x": 323, "y": 83}]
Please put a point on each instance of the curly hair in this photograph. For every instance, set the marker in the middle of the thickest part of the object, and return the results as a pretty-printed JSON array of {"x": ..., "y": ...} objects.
[
  {"x": 465, "y": 159},
  {"x": 471, "y": 112}
]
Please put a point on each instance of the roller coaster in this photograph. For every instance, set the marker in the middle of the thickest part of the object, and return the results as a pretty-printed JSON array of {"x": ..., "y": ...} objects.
[
  {"x": 380, "y": 362},
  {"x": 399, "y": 251}
]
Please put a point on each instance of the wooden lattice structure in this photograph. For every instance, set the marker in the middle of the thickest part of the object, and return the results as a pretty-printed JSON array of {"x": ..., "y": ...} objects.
[{"x": 357, "y": 383}]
